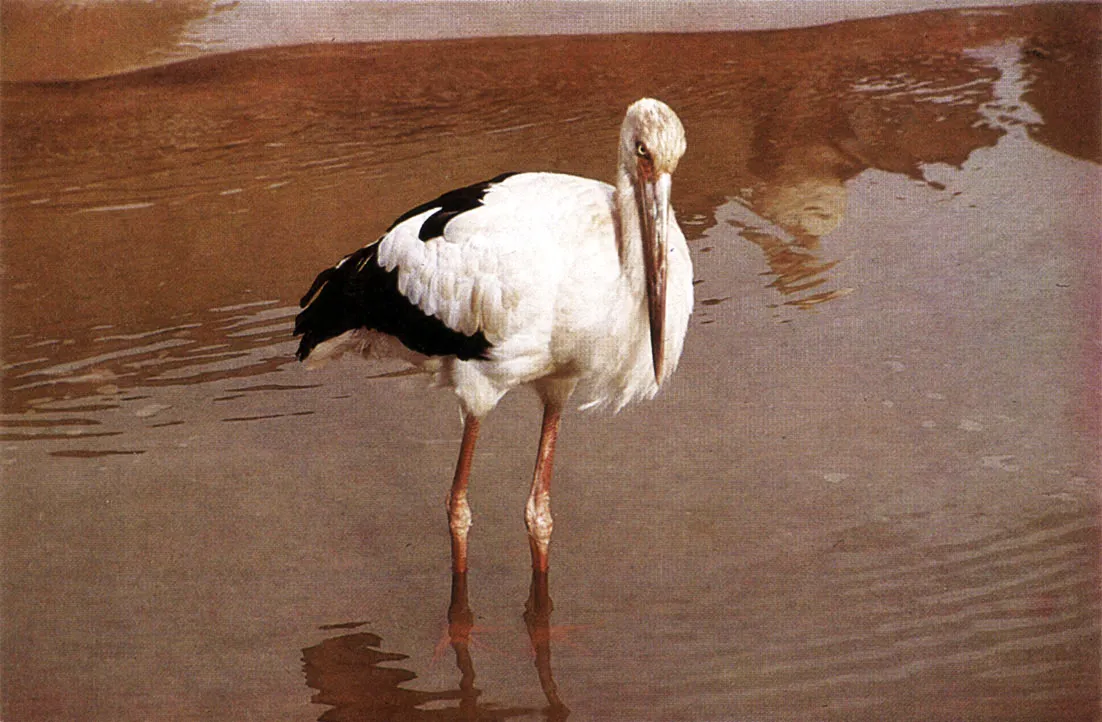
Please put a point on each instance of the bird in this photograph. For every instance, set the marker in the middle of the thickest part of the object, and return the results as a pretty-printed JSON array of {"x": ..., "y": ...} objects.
[{"x": 579, "y": 289}]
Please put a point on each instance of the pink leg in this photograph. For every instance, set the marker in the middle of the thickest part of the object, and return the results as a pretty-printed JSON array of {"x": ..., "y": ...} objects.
[
  {"x": 459, "y": 512},
  {"x": 537, "y": 513}
]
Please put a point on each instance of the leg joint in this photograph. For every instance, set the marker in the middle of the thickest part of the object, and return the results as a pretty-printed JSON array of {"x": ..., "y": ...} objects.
[
  {"x": 459, "y": 514},
  {"x": 537, "y": 516}
]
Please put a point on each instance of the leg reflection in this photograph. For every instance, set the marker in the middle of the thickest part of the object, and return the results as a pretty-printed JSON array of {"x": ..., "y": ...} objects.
[
  {"x": 537, "y": 617},
  {"x": 460, "y": 622},
  {"x": 360, "y": 682}
]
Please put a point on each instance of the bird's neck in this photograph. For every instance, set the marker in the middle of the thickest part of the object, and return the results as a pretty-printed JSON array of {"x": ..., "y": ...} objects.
[{"x": 630, "y": 237}]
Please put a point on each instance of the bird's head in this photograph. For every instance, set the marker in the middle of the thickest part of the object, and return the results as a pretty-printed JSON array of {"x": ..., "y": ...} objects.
[{"x": 652, "y": 141}]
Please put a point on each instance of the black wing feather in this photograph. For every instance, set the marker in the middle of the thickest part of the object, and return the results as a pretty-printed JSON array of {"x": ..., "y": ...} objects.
[
  {"x": 359, "y": 293},
  {"x": 449, "y": 205}
]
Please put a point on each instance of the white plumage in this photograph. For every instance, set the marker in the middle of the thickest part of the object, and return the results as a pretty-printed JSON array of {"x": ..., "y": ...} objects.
[
  {"x": 537, "y": 269},
  {"x": 580, "y": 289}
]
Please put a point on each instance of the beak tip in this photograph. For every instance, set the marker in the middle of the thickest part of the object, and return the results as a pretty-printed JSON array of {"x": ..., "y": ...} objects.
[{"x": 659, "y": 368}]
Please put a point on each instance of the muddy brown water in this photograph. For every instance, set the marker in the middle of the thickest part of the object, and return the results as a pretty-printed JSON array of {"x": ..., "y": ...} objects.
[{"x": 869, "y": 493}]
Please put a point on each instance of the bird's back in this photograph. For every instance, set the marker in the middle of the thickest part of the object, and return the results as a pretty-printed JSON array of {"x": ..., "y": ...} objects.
[{"x": 466, "y": 271}]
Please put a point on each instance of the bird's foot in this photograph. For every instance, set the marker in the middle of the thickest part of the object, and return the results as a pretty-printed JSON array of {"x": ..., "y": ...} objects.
[
  {"x": 461, "y": 632},
  {"x": 537, "y": 619},
  {"x": 558, "y": 634},
  {"x": 466, "y": 637}
]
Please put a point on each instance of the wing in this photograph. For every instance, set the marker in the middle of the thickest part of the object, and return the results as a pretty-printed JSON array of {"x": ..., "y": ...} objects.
[
  {"x": 357, "y": 293},
  {"x": 495, "y": 267},
  {"x": 461, "y": 273}
]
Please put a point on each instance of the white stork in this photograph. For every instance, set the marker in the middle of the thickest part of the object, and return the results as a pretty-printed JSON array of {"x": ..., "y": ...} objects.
[{"x": 569, "y": 285}]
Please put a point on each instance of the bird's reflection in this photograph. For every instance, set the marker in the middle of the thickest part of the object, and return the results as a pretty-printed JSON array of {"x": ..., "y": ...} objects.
[
  {"x": 348, "y": 675},
  {"x": 537, "y": 618},
  {"x": 460, "y": 624}
]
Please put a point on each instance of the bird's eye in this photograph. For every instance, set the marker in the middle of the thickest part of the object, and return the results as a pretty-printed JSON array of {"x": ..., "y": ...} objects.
[{"x": 641, "y": 150}]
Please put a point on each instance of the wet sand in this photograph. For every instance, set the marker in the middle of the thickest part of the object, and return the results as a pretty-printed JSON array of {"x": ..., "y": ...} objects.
[
  {"x": 96, "y": 39},
  {"x": 870, "y": 492}
]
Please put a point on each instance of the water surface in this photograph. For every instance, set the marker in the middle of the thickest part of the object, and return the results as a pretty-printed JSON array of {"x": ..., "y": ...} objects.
[{"x": 870, "y": 492}]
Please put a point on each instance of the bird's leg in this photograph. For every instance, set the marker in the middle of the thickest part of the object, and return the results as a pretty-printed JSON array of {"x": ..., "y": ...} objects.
[
  {"x": 537, "y": 513},
  {"x": 459, "y": 512}
]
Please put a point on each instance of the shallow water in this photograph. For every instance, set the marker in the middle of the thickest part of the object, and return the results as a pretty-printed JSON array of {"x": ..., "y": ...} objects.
[{"x": 870, "y": 491}]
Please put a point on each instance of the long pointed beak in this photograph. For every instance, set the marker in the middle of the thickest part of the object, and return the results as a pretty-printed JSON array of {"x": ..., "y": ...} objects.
[{"x": 656, "y": 222}]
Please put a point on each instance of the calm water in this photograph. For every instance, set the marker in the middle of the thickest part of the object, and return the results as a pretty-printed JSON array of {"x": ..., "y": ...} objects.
[{"x": 869, "y": 493}]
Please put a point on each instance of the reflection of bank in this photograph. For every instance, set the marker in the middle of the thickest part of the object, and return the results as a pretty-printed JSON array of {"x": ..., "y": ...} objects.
[
  {"x": 900, "y": 114},
  {"x": 795, "y": 261},
  {"x": 805, "y": 201},
  {"x": 94, "y": 39},
  {"x": 348, "y": 673}
]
